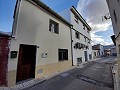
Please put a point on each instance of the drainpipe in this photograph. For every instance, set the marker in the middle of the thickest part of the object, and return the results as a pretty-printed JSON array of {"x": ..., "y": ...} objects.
[{"x": 71, "y": 44}]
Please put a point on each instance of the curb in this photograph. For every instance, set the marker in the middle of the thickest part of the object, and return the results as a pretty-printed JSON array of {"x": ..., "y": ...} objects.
[{"x": 114, "y": 69}]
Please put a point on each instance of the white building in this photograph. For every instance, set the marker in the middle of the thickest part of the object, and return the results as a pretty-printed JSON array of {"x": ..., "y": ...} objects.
[
  {"x": 114, "y": 8},
  {"x": 81, "y": 40},
  {"x": 100, "y": 50},
  {"x": 41, "y": 43}
]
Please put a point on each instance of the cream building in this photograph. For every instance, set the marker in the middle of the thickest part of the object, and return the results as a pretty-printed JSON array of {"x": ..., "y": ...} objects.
[
  {"x": 114, "y": 8},
  {"x": 41, "y": 42},
  {"x": 81, "y": 40}
]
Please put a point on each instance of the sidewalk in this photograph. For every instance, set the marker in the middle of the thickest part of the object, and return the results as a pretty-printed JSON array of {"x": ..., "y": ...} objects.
[{"x": 34, "y": 82}]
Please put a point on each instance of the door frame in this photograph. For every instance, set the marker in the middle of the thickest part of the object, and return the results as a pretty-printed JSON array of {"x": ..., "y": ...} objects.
[
  {"x": 86, "y": 56},
  {"x": 20, "y": 46}
]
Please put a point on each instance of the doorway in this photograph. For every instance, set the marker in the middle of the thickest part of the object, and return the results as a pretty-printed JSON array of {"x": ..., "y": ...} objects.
[
  {"x": 26, "y": 62},
  {"x": 86, "y": 57}
]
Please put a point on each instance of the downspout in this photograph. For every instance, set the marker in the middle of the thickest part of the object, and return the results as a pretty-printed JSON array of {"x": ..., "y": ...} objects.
[{"x": 71, "y": 44}]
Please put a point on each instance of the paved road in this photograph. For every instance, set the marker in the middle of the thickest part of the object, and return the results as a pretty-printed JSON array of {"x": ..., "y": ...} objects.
[{"x": 95, "y": 75}]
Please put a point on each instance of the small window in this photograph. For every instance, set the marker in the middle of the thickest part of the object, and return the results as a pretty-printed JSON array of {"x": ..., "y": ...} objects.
[
  {"x": 90, "y": 56},
  {"x": 94, "y": 53},
  {"x": 88, "y": 40},
  {"x": 53, "y": 27},
  {"x": 63, "y": 54},
  {"x": 85, "y": 39},
  {"x": 115, "y": 17},
  {"x": 77, "y": 35},
  {"x": 76, "y": 19},
  {"x": 83, "y": 26},
  {"x": 79, "y": 60}
]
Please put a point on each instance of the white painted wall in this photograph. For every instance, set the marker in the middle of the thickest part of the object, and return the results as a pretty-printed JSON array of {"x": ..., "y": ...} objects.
[
  {"x": 93, "y": 55},
  {"x": 33, "y": 29},
  {"x": 115, "y": 5},
  {"x": 77, "y": 53}
]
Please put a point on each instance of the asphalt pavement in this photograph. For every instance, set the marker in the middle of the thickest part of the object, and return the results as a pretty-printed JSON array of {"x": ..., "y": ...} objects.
[{"x": 94, "y": 75}]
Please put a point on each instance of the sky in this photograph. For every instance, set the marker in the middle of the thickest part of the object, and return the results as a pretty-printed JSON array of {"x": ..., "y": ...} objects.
[
  {"x": 91, "y": 10},
  {"x": 6, "y": 14}
]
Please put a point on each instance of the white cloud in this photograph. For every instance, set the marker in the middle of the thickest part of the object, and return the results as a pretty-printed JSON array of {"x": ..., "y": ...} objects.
[
  {"x": 99, "y": 40},
  {"x": 92, "y": 11}
]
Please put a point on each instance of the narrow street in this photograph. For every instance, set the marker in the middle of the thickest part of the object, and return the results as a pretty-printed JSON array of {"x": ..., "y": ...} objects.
[{"x": 94, "y": 75}]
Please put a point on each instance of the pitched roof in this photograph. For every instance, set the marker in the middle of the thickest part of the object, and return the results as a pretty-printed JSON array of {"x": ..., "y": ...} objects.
[
  {"x": 80, "y": 17},
  {"x": 48, "y": 9}
]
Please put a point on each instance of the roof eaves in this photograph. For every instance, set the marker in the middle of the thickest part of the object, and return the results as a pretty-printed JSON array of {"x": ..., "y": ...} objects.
[
  {"x": 81, "y": 18},
  {"x": 45, "y": 7}
]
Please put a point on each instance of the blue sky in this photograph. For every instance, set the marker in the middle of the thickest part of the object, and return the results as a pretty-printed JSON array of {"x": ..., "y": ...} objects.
[
  {"x": 91, "y": 10},
  {"x": 60, "y": 5},
  {"x": 6, "y": 14}
]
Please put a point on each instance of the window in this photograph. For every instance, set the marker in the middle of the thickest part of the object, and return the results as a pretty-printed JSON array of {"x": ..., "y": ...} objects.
[
  {"x": 88, "y": 40},
  {"x": 115, "y": 17},
  {"x": 76, "y": 19},
  {"x": 79, "y": 60},
  {"x": 85, "y": 39},
  {"x": 94, "y": 53},
  {"x": 63, "y": 54},
  {"x": 90, "y": 56},
  {"x": 53, "y": 27},
  {"x": 77, "y": 35},
  {"x": 83, "y": 26}
]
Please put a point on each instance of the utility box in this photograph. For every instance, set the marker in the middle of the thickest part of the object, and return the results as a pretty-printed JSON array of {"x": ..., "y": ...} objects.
[{"x": 13, "y": 54}]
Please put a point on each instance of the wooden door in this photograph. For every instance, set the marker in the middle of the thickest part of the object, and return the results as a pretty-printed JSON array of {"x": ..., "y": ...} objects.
[
  {"x": 4, "y": 50},
  {"x": 26, "y": 62}
]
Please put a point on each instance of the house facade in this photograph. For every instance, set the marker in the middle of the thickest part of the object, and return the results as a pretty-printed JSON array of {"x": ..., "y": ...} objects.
[
  {"x": 81, "y": 40},
  {"x": 114, "y": 8},
  {"x": 40, "y": 44},
  {"x": 100, "y": 50},
  {"x": 110, "y": 50}
]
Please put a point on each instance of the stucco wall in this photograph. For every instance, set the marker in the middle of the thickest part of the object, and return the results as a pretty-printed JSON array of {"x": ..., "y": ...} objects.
[
  {"x": 77, "y": 53},
  {"x": 114, "y": 6},
  {"x": 118, "y": 53},
  {"x": 33, "y": 29}
]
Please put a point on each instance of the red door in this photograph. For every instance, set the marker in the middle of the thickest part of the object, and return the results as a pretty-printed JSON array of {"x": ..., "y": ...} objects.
[
  {"x": 4, "y": 50},
  {"x": 26, "y": 62}
]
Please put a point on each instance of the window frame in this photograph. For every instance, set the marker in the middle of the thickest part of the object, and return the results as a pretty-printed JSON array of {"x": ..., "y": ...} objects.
[
  {"x": 77, "y": 34},
  {"x": 76, "y": 19},
  {"x": 64, "y": 53},
  {"x": 56, "y": 26}
]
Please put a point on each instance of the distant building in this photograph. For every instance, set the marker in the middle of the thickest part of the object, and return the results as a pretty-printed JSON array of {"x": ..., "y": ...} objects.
[
  {"x": 98, "y": 49},
  {"x": 114, "y": 8},
  {"x": 81, "y": 40},
  {"x": 110, "y": 50}
]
